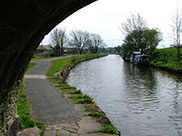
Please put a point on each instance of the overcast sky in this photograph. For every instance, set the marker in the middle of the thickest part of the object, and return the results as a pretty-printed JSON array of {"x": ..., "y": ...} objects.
[{"x": 105, "y": 17}]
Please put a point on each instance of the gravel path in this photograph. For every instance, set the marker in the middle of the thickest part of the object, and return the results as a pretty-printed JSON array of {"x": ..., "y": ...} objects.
[{"x": 48, "y": 104}]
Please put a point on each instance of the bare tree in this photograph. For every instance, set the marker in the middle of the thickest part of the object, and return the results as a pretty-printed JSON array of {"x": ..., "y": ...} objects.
[
  {"x": 177, "y": 30},
  {"x": 59, "y": 39},
  {"x": 96, "y": 42},
  {"x": 79, "y": 40},
  {"x": 135, "y": 22}
]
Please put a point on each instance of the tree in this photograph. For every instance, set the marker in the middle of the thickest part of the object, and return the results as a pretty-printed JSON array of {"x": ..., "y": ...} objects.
[
  {"x": 102, "y": 50},
  {"x": 133, "y": 28},
  {"x": 59, "y": 39},
  {"x": 177, "y": 30},
  {"x": 142, "y": 40},
  {"x": 152, "y": 38},
  {"x": 118, "y": 49},
  {"x": 138, "y": 37},
  {"x": 96, "y": 42},
  {"x": 79, "y": 40},
  {"x": 127, "y": 48},
  {"x": 135, "y": 41},
  {"x": 135, "y": 22}
]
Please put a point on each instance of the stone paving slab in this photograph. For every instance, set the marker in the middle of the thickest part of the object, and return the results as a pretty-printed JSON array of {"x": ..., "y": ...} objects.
[
  {"x": 88, "y": 124},
  {"x": 30, "y": 132},
  {"x": 50, "y": 133},
  {"x": 26, "y": 76},
  {"x": 63, "y": 133}
]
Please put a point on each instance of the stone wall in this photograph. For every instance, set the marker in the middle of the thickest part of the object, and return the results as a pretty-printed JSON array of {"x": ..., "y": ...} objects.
[
  {"x": 9, "y": 121},
  {"x": 23, "y": 24}
]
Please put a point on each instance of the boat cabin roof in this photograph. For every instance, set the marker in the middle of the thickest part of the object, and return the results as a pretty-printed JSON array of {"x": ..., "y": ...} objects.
[{"x": 137, "y": 52}]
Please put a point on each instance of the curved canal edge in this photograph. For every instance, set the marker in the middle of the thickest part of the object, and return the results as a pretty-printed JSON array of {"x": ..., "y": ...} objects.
[{"x": 93, "y": 118}]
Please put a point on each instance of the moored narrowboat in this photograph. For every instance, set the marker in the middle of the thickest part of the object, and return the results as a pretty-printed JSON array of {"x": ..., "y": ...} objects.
[{"x": 142, "y": 60}]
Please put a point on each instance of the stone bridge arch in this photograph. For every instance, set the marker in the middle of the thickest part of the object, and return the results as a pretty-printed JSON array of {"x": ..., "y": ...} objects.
[{"x": 23, "y": 25}]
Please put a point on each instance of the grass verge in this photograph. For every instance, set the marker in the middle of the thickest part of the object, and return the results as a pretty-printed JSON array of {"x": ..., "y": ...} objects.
[
  {"x": 167, "y": 59},
  {"x": 24, "y": 109},
  {"x": 110, "y": 129},
  {"x": 95, "y": 114},
  {"x": 39, "y": 58},
  {"x": 65, "y": 65},
  {"x": 30, "y": 66},
  {"x": 81, "y": 99}
]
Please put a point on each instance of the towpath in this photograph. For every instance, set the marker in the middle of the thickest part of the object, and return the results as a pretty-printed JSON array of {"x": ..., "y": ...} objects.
[
  {"x": 48, "y": 105},
  {"x": 54, "y": 109}
]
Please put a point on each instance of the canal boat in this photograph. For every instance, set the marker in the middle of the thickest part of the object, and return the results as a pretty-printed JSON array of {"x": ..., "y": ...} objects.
[
  {"x": 126, "y": 57},
  {"x": 136, "y": 58},
  {"x": 141, "y": 60},
  {"x": 133, "y": 55}
]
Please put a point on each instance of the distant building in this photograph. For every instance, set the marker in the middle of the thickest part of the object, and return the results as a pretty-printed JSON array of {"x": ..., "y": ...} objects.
[
  {"x": 44, "y": 51},
  {"x": 70, "y": 50}
]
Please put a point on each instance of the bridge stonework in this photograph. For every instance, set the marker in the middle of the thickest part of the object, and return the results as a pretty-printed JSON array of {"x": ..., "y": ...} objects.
[
  {"x": 9, "y": 122},
  {"x": 23, "y": 24}
]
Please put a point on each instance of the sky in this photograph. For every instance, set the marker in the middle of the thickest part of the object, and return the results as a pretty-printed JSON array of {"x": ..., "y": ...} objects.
[{"x": 104, "y": 17}]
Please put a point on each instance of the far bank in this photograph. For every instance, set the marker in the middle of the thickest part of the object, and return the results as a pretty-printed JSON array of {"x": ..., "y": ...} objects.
[{"x": 166, "y": 59}]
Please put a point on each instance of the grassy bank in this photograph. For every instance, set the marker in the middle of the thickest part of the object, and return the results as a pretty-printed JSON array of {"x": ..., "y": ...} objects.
[
  {"x": 39, "y": 58},
  {"x": 167, "y": 59},
  {"x": 62, "y": 68},
  {"x": 30, "y": 66},
  {"x": 24, "y": 109},
  {"x": 63, "y": 65}
]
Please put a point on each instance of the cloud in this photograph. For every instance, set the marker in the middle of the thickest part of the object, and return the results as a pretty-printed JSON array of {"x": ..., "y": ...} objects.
[{"x": 105, "y": 16}]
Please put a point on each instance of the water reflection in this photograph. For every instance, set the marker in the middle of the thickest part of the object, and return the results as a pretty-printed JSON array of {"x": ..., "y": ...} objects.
[
  {"x": 140, "y": 77},
  {"x": 139, "y": 101}
]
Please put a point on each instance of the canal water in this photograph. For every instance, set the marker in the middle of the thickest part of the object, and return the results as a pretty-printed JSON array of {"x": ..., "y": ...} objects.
[{"x": 138, "y": 101}]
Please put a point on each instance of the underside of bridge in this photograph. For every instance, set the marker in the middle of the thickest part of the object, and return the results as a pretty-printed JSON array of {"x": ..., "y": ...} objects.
[{"x": 23, "y": 25}]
